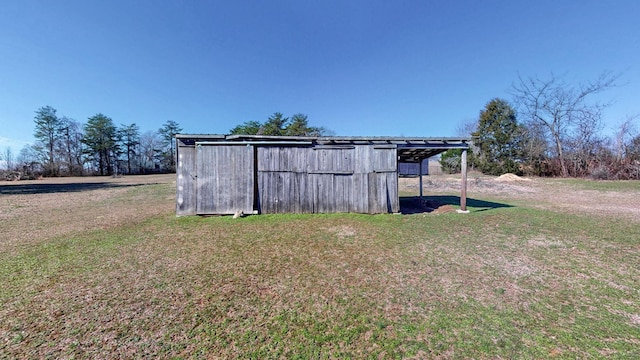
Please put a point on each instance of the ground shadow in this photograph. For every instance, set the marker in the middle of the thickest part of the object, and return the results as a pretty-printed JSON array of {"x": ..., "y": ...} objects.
[
  {"x": 31, "y": 189},
  {"x": 414, "y": 205}
]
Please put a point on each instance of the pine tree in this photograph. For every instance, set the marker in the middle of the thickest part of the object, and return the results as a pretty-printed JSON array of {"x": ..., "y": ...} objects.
[
  {"x": 168, "y": 132},
  {"x": 101, "y": 139},
  {"x": 47, "y": 132}
]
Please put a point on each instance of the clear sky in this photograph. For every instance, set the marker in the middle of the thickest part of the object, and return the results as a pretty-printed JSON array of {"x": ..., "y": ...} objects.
[{"x": 365, "y": 67}]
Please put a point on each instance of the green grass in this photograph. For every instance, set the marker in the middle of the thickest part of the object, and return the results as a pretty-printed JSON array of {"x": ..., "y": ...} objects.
[
  {"x": 500, "y": 282},
  {"x": 600, "y": 185}
]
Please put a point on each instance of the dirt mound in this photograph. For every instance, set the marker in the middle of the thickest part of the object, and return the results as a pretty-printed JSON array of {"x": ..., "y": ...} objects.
[
  {"x": 508, "y": 177},
  {"x": 444, "y": 209}
]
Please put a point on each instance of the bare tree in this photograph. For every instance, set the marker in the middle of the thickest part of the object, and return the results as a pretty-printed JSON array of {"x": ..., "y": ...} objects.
[
  {"x": 8, "y": 159},
  {"x": 70, "y": 146},
  {"x": 625, "y": 162},
  {"x": 466, "y": 127},
  {"x": 560, "y": 107},
  {"x": 585, "y": 143},
  {"x": 29, "y": 160},
  {"x": 625, "y": 132},
  {"x": 150, "y": 150}
]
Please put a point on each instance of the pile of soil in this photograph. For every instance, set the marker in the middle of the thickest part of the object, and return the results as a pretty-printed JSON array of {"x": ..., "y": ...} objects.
[{"x": 508, "y": 177}]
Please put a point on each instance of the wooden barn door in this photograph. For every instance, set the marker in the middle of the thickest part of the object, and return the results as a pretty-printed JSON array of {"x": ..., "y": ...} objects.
[{"x": 225, "y": 182}]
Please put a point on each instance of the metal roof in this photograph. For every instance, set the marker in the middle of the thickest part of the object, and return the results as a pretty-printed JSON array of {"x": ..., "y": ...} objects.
[{"x": 410, "y": 149}]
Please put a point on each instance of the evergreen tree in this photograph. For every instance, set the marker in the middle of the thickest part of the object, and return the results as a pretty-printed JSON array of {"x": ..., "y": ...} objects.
[
  {"x": 130, "y": 140},
  {"x": 168, "y": 132},
  {"x": 101, "y": 139},
  {"x": 451, "y": 161},
  {"x": 498, "y": 140},
  {"x": 278, "y": 125},
  {"x": 47, "y": 131},
  {"x": 275, "y": 126},
  {"x": 246, "y": 128},
  {"x": 299, "y": 126}
]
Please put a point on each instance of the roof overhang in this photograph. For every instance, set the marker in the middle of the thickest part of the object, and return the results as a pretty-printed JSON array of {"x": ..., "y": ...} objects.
[
  {"x": 410, "y": 149},
  {"x": 413, "y": 153}
]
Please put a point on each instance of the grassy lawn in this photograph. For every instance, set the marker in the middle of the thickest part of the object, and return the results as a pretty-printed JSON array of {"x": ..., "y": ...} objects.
[
  {"x": 500, "y": 282},
  {"x": 600, "y": 185}
]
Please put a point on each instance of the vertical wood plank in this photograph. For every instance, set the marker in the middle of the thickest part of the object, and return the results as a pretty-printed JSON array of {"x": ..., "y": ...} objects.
[
  {"x": 186, "y": 194},
  {"x": 393, "y": 199},
  {"x": 225, "y": 182}
]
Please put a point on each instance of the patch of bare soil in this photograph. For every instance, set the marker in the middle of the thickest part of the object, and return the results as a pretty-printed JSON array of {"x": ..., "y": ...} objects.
[
  {"x": 510, "y": 178},
  {"x": 540, "y": 193},
  {"x": 444, "y": 209},
  {"x": 555, "y": 195},
  {"x": 342, "y": 231},
  {"x": 36, "y": 210},
  {"x": 475, "y": 184}
]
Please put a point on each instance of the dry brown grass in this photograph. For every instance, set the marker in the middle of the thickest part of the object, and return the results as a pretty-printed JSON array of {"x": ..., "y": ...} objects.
[
  {"x": 547, "y": 194},
  {"x": 138, "y": 282},
  {"x": 31, "y": 214}
]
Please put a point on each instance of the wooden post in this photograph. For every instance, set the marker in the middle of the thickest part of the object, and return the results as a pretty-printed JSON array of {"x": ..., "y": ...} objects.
[
  {"x": 463, "y": 190},
  {"x": 420, "y": 172}
]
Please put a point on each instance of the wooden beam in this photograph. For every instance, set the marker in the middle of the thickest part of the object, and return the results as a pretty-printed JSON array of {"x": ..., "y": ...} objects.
[
  {"x": 463, "y": 190},
  {"x": 420, "y": 172}
]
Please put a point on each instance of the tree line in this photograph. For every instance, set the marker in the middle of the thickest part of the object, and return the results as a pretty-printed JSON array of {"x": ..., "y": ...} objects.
[
  {"x": 551, "y": 128},
  {"x": 279, "y": 125},
  {"x": 554, "y": 129},
  {"x": 65, "y": 147}
]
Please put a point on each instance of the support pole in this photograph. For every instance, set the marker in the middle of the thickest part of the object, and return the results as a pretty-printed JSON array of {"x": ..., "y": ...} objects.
[
  {"x": 463, "y": 189},
  {"x": 420, "y": 172}
]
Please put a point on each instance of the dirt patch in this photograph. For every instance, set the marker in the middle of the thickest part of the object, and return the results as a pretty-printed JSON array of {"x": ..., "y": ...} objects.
[
  {"x": 444, "y": 209},
  {"x": 545, "y": 243},
  {"x": 475, "y": 184},
  {"x": 36, "y": 210},
  {"x": 342, "y": 231},
  {"x": 513, "y": 266},
  {"x": 551, "y": 194}
]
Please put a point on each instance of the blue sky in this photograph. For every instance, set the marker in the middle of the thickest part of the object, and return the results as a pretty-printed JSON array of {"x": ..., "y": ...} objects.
[{"x": 369, "y": 68}]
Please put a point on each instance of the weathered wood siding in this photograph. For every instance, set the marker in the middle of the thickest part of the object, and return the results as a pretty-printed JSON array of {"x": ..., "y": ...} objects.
[
  {"x": 225, "y": 181},
  {"x": 383, "y": 181},
  {"x": 413, "y": 169},
  {"x": 326, "y": 179},
  {"x": 222, "y": 174},
  {"x": 186, "y": 193}
]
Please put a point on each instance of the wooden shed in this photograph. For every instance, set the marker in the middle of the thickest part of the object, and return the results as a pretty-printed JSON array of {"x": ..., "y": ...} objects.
[{"x": 256, "y": 174}]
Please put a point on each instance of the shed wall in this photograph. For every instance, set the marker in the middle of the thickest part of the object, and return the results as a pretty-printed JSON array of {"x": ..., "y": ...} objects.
[
  {"x": 186, "y": 194},
  {"x": 326, "y": 179},
  {"x": 222, "y": 179},
  {"x": 225, "y": 179}
]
